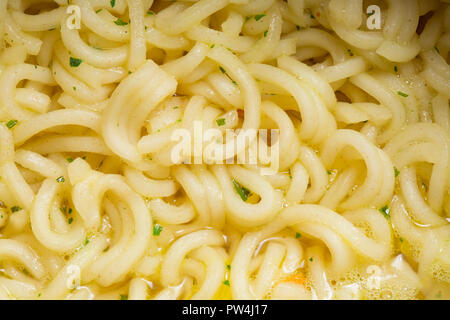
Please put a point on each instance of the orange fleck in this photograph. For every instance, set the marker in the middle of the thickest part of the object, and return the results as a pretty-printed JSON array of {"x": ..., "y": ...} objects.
[{"x": 297, "y": 278}]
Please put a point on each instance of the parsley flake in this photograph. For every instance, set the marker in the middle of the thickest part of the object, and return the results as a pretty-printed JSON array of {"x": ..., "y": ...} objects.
[
  {"x": 120, "y": 22},
  {"x": 157, "y": 229},
  {"x": 241, "y": 191},
  {"x": 15, "y": 209},
  {"x": 385, "y": 211},
  {"x": 11, "y": 123},
  {"x": 396, "y": 172},
  {"x": 74, "y": 62},
  {"x": 259, "y": 16}
]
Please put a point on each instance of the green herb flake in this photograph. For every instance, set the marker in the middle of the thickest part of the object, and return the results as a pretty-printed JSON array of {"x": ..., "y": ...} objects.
[
  {"x": 265, "y": 33},
  {"x": 69, "y": 160},
  {"x": 74, "y": 62},
  {"x": 298, "y": 235},
  {"x": 385, "y": 211},
  {"x": 396, "y": 172},
  {"x": 15, "y": 209},
  {"x": 86, "y": 242},
  {"x": 113, "y": 3},
  {"x": 119, "y": 22},
  {"x": 395, "y": 69},
  {"x": 297, "y": 27},
  {"x": 123, "y": 297},
  {"x": 74, "y": 88},
  {"x": 157, "y": 229},
  {"x": 60, "y": 179},
  {"x": 328, "y": 172},
  {"x": 226, "y": 282},
  {"x": 350, "y": 52},
  {"x": 228, "y": 267},
  {"x": 70, "y": 220},
  {"x": 259, "y": 16},
  {"x": 11, "y": 123},
  {"x": 402, "y": 94},
  {"x": 212, "y": 46},
  {"x": 311, "y": 259},
  {"x": 220, "y": 122},
  {"x": 223, "y": 70},
  {"x": 150, "y": 13},
  {"x": 97, "y": 11},
  {"x": 241, "y": 191}
]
